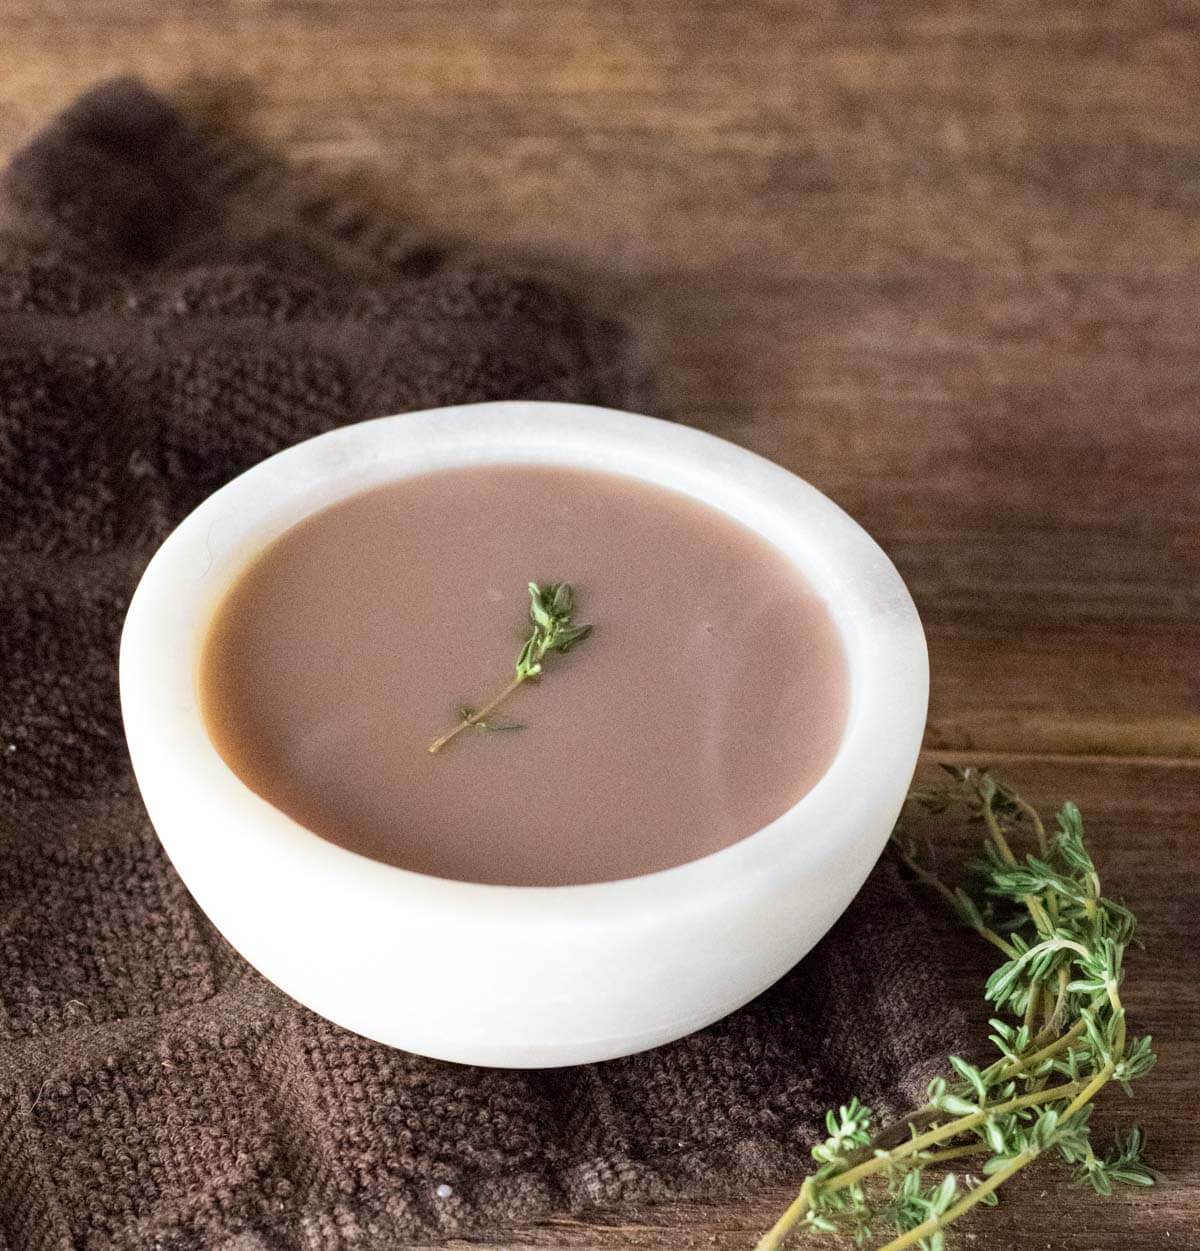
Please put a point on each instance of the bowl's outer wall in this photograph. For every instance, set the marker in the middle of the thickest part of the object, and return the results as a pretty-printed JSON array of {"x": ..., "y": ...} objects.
[{"x": 470, "y": 990}]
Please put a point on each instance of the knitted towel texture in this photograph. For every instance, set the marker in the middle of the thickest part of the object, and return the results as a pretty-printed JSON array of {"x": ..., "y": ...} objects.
[{"x": 170, "y": 314}]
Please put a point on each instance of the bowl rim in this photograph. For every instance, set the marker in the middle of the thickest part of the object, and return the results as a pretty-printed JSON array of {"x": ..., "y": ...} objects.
[{"x": 171, "y": 610}]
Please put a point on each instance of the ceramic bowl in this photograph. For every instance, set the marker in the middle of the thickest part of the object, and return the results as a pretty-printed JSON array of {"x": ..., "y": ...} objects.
[{"x": 503, "y": 975}]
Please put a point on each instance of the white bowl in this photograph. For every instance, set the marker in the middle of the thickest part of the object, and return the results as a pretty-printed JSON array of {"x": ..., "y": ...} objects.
[{"x": 510, "y": 975}]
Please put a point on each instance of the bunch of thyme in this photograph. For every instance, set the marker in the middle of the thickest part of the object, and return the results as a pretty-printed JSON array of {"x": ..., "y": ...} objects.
[{"x": 1064, "y": 947}]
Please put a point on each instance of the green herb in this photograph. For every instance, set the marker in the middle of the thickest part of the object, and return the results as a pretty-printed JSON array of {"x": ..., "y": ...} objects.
[
  {"x": 552, "y": 629},
  {"x": 1064, "y": 949}
]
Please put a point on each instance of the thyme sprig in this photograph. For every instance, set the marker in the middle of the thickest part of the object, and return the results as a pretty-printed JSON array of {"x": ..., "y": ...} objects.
[
  {"x": 552, "y": 628},
  {"x": 1064, "y": 946}
]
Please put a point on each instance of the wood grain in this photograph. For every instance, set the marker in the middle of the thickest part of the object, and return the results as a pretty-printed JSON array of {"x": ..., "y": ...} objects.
[{"x": 943, "y": 259}]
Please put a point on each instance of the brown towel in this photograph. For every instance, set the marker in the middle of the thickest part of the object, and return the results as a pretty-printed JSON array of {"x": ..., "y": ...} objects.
[{"x": 170, "y": 314}]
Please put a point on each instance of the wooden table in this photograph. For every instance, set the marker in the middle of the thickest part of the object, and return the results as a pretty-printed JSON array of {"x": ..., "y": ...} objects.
[{"x": 941, "y": 259}]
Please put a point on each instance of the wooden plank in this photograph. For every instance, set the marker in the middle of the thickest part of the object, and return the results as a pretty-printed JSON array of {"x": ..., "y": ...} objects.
[{"x": 943, "y": 260}]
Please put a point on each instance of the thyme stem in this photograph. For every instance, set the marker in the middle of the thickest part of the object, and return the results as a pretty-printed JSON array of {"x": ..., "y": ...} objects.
[
  {"x": 975, "y": 1196},
  {"x": 929, "y": 879},
  {"x": 952, "y": 1129},
  {"x": 773, "y": 1238},
  {"x": 474, "y": 718}
]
